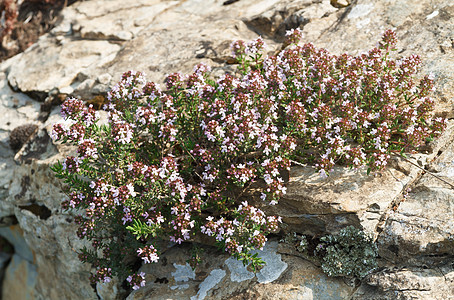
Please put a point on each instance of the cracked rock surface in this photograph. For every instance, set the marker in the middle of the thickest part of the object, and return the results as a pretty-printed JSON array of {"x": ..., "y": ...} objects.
[{"x": 409, "y": 211}]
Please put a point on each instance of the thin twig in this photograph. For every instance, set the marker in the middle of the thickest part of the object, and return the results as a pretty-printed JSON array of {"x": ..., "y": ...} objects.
[
  {"x": 297, "y": 163},
  {"x": 430, "y": 173}
]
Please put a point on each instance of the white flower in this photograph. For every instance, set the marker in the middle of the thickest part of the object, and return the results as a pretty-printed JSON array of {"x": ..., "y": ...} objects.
[
  {"x": 323, "y": 173},
  {"x": 131, "y": 189}
]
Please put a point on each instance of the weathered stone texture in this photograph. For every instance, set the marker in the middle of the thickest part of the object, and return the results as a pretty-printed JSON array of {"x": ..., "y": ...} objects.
[{"x": 96, "y": 41}]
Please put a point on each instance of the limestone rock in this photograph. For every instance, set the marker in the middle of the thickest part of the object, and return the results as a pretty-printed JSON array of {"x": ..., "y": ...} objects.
[
  {"x": 17, "y": 108},
  {"x": 284, "y": 277},
  {"x": 60, "y": 63},
  {"x": 409, "y": 283},
  {"x": 96, "y": 41},
  {"x": 286, "y": 15},
  {"x": 419, "y": 28},
  {"x": 39, "y": 147},
  {"x": 422, "y": 225},
  {"x": 340, "y": 3},
  {"x": 126, "y": 19},
  {"x": 302, "y": 280},
  {"x": 5, "y": 259},
  {"x": 15, "y": 236},
  {"x": 20, "y": 279},
  {"x": 314, "y": 205},
  {"x": 20, "y": 135},
  {"x": 60, "y": 274}
]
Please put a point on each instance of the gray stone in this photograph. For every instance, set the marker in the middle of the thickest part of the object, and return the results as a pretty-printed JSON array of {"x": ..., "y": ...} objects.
[
  {"x": 274, "y": 266},
  {"x": 183, "y": 273},
  {"x": 120, "y": 17},
  {"x": 275, "y": 20},
  {"x": 100, "y": 89},
  {"x": 314, "y": 205},
  {"x": 104, "y": 78},
  {"x": 85, "y": 86},
  {"x": 238, "y": 272},
  {"x": 56, "y": 260},
  {"x": 14, "y": 235},
  {"x": 271, "y": 271},
  {"x": 20, "y": 279},
  {"x": 302, "y": 280},
  {"x": 110, "y": 290},
  {"x": 360, "y": 10},
  {"x": 5, "y": 259},
  {"x": 422, "y": 225},
  {"x": 66, "y": 90},
  {"x": 60, "y": 63},
  {"x": 409, "y": 283},
  {"x": 16, "y": 108},
  {"x": 210, "y": 282},
  {"x": 96, "y": 41}
]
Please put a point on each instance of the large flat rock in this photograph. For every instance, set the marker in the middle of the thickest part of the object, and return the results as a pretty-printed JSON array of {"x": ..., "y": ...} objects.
[
  {"x": 423, "y": 224},
  {"x": 61, "y": 64},
  {"x": 96, "y": 41}
]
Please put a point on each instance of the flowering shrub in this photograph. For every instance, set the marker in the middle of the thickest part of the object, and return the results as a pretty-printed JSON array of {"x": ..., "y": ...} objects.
[{"x": 183, "y": 161}]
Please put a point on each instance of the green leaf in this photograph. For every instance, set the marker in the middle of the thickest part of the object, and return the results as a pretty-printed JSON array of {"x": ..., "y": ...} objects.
[{"x": 140, "y": 229}]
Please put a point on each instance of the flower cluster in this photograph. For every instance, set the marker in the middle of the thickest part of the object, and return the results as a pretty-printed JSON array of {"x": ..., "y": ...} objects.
[
  {"x": 249, "y": 229},
  {"x": 102, "y": 275},
  {"x": 351, "y": 110},
  {"x": 136, "y": 280},
  {"x": 148, "y": 254},
  {"x": 201, "y": 156}
]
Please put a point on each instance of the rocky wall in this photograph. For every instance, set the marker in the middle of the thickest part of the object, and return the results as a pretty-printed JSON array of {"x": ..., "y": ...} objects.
[{"x": 96, "y": 41}]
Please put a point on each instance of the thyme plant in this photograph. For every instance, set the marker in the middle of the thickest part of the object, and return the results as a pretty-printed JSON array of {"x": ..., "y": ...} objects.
[{"x": 176, "y": 162}]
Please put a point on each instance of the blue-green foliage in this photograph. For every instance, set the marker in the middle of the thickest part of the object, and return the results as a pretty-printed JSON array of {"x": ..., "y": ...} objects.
[{"x": 349, "y": 253}]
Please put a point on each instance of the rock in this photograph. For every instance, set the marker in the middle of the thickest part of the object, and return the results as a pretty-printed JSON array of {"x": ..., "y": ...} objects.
[
  {"x": 84, "y": 88},
  {"x": 96, "y": 41},
  {"x": 283, "y": 277},
  {"x": 20, "y": 280},
  {"x": 210, "y": 282},
  {"x": 34, "y": 183},
  {"x": 17, "y": 108},
  {"x": 160, "y": 39},
  {"x": 15, "y": 236},
  {"x": 270, "y": 272},
  {"x": 422, "y": 224},
  {"x": 279, "y": 18},
  {"x": 340, "y": 3},
  {"x": 39, "y": 147},
  {"x": 172, "y": 277},
  {"x": 20, "y": 135},
  {"x": 66, "y": 90},
  {"x": 126, "y": 19},
  {"x": 104, "y": 78},
  {"x": 5, "y": 259},
  {"x": 60, "y": 63},
  {"x": 54, "y": 245},
  {"x": 315, "y": 206},
  {"x": 302, "y": 280},
  {"x": 409, "y": 283},
  {"x": 110, "y": 290}
]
